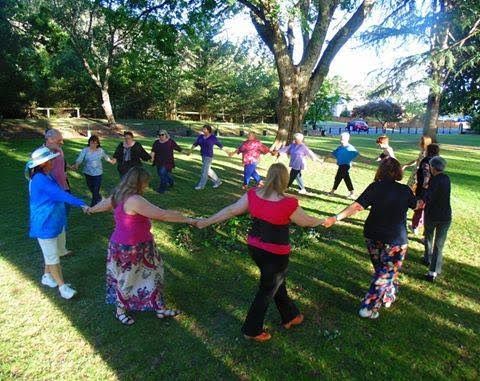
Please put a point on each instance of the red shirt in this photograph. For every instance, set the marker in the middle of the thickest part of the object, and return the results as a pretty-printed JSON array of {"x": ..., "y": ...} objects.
[
  {"x": 251, "y": 151},
  {"x": 275, "y": 215}
]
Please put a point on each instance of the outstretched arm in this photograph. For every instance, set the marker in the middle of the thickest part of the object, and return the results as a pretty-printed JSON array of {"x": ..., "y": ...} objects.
[
  {"x": 141, "y": 206},
  {"x": 347, "y": 212},
  {"x": 103, "y": 206},
  {"x": 301, "y": 218},
  {"x": 239, "y": 207}
]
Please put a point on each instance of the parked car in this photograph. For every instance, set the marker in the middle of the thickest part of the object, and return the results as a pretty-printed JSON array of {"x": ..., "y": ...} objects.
[{"x": 357, "y": 125}]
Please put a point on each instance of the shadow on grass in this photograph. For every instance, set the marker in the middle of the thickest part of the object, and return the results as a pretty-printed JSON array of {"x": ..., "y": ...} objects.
[{"x": 214, "y": 289}]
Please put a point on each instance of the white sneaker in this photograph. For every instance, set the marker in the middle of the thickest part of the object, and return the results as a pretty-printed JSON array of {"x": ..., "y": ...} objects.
[
  {"x": 388, "y": 305},
  {"x": 47, "y": 280},
  {"x": 303, "y": 191},
  {"x": 217, "y": 184},
  {"x": 66, "y": 291},
  {"x": 198, "y": 187},
  {"x": 366, "y": 313},
  {"x": 351, "y": 196}
]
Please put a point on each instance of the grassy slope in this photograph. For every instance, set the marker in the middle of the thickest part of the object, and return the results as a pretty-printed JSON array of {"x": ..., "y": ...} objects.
[{"x": 432, "y": 332}]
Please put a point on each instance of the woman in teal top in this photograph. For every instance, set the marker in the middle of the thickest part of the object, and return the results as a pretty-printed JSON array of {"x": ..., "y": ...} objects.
[{"x": 92, "y": 157}]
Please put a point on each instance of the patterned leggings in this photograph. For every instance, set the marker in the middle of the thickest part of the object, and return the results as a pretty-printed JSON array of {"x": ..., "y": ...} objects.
[{"x": 387, "y": 261}]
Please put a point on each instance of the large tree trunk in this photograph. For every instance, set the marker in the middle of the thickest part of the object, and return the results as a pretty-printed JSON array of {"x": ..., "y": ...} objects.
[
  {"x": 107, "y": 108},
  {"x": 431, "y": 116}
]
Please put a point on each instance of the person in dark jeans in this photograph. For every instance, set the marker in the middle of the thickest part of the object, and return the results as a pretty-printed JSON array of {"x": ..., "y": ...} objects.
[
  {"x": 91, "y": 157},
  {"x": 269, "y": 247},
  {"x": 162, "y": 156},
  {"x": 345, "y": 153},
  {"x": 438, "y": 217},
  {"x": 129, "y": 154}
]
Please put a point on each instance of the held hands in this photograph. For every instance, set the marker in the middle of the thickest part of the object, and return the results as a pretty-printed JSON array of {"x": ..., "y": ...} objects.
[
  {"x": 327, "y": 222},
  {"x": 230, "y": 154},
  {"x": 86, "y": 209}
]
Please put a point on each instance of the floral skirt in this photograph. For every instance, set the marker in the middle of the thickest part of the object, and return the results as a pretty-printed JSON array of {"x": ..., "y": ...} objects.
[
  {"x": 135, "y": 276},
  {"x": 387, "y": 261}
]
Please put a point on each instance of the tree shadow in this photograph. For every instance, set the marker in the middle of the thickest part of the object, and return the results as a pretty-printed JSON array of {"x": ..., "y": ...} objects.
[{"x": 214, "y": 289}]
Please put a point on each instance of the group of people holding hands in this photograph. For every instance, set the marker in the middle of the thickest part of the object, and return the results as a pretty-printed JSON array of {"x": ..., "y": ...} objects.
[{"x": 135, "y": 274}]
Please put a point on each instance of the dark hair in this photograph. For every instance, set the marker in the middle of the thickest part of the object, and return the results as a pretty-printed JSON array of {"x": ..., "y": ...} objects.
[
  {"x": 208, "y": 127},
  {"x": 128, "y": 133},
  {"x": 35, "y": 170},
  {"x": 94, "y": 138},
  {"x": 389, "y": 169},
  {"x": 433, "y": 150}
]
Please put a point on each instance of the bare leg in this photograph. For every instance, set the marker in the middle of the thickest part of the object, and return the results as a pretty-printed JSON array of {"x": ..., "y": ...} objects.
[{"x": 56, "y": 271}]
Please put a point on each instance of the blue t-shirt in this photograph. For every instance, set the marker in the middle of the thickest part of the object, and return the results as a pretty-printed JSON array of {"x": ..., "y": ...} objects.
[
  {"x": 206, "y": 144},
  {"x": 47, "y": 207},
  {"x": 345, "y": 154}
]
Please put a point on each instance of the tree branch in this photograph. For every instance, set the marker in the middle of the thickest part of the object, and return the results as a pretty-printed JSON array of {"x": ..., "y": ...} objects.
[{"x": 340, "y": 38}]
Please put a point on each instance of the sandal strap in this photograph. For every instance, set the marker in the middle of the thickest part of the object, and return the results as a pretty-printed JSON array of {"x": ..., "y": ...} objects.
[{"x": 124, "y": 319}]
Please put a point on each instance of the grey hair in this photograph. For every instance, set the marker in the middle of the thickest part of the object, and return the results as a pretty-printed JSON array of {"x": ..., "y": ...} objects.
[
  {"x": 299, "y": 136},
  {"x": 165, "y": 133},
  {"x": 439, "y": 163},
  {"x": 51, "y": 133}
]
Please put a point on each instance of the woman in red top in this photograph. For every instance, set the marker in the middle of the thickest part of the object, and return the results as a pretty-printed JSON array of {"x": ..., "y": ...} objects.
[{"x": 269, "y": 246}]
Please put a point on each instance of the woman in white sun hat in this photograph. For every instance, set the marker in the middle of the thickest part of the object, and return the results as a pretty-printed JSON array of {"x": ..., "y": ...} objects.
[{"x": 48, "y": 216}]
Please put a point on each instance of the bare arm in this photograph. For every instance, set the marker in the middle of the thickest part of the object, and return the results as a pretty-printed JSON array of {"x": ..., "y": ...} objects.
[
  {"x": 239, "y": 207},
  {"x": 139, "y": 205},
  {"x": 301, "y": 218},
  {"x": 347, "y": 212},
  {"x": 103, "y": 206}
]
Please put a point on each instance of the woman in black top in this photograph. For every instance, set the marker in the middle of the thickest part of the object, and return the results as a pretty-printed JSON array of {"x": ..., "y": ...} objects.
[
  {"x": 385, "y": 232},
  {"x": 162, "y": 156},
  {"x": 438, "y": 216},
  {"x": 129, "y": 153}
]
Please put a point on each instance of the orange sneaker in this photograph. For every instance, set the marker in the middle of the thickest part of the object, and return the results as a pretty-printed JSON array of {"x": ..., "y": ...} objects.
[
  {"x": 295, "y": 321},
  {"x": 264, "y": 336}
]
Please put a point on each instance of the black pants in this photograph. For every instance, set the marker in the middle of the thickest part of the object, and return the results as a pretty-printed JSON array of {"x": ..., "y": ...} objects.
[
  {"x": 296, "y": 174},
  {"x": 342, "y": 174},
  {"x": 94, "y": 183},
  {"x": 273, "y": 269}
]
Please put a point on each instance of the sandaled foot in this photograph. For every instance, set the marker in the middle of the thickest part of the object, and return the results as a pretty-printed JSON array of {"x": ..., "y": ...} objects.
[
  {"x": 124, "y": 318},
  {"x": 161, "y": 314},
  {"x": 264, "y": 336},
  {"x": 295, "y": 321}
]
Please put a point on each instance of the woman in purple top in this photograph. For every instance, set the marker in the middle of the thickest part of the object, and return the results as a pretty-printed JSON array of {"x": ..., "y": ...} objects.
[
  {"x": 206, "y": 141},
  {"x": 298, "y": 153},
  {"x": 134, "y": 266},
  {"x": 162, "y": 156}
]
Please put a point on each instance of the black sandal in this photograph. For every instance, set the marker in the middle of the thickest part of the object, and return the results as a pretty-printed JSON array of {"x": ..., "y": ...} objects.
[
  {"x": 124, "y": 318},
  {"x": 164, "y": 313}
]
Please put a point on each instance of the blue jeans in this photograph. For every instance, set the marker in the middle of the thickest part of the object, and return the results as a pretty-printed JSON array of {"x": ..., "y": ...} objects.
[
  {"x": 93, "y": 184},
  {"x": 207, "y": 172},
  {"x": 435, "y": 236},
  {"x": 250, "y": 171},
  {"x": 166, "y": 178}
]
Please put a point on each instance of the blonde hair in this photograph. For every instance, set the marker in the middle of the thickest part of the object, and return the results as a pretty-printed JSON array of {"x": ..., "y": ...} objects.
[
  {"x": 276, "y": 181},
  {"x": 132, "y": 182},
  {"x": 425, "y": 141}
]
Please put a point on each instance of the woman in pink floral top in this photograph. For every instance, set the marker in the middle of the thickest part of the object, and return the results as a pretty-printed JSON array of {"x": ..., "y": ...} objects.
[{"x": 251, "y": 149}]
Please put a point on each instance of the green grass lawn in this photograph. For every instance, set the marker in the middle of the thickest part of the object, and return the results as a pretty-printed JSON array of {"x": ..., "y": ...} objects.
[{"x": 432, "y": 332}]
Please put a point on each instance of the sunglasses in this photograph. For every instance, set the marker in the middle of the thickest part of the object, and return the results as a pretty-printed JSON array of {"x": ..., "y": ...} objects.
[{"x": 161, "y": 134}]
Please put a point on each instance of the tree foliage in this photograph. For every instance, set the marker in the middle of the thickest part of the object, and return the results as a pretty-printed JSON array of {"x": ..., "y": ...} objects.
[{"x": 382, "y": 110}]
